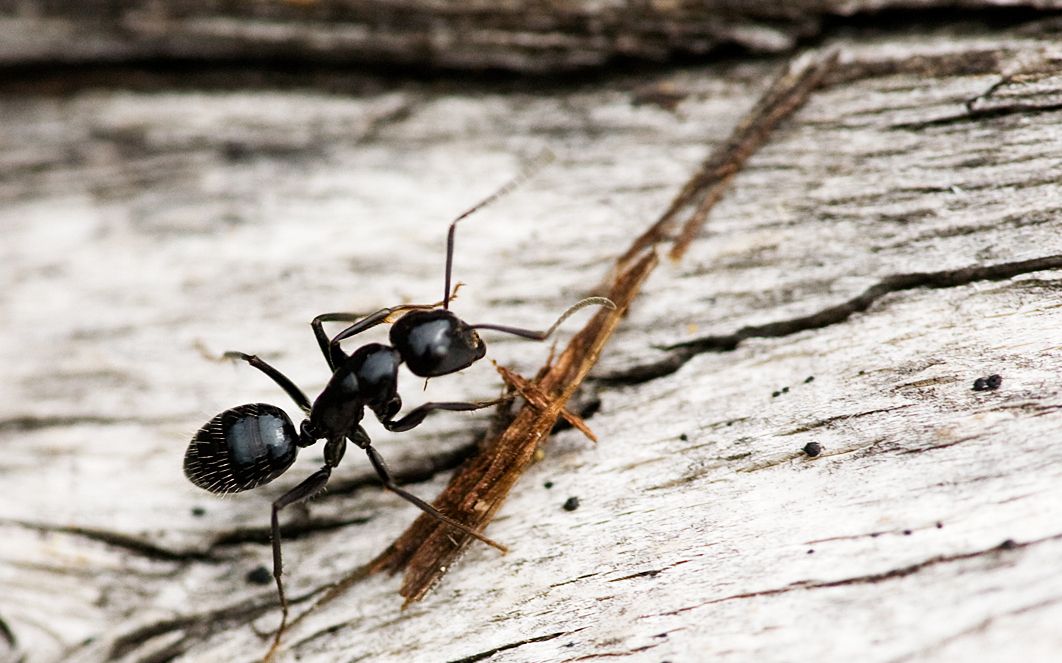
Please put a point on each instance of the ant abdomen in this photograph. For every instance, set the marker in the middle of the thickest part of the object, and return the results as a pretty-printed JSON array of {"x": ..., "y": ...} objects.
[{"x": 241, "y": 448}]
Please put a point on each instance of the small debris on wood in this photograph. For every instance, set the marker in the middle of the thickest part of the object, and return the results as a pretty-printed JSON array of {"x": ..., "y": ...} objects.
[
  {"x": 260, "y": 575},
  {"x": 198, "y": 511},
  {"x": 664, "y": 95},
  {"x": 907, "y": 532},
  {"x": 548, "y": 485},
  {"x": 809, "y": 379},
  {"x": 571, "y": 504},
  {"x": 812, "y": 449},
  {"x": 940, "y": 525},
  {"x": 684, "y": 437},
  {"x": 811, "y": 551},
  {"x": 989, "y": 383},
  {"x": 1008, "y": 544}
]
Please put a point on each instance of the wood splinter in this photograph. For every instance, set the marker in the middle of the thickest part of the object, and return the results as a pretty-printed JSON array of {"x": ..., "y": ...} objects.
[{"x": 531, "y": 393}]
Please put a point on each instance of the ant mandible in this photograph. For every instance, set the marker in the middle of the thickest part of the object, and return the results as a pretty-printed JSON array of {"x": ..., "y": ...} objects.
[{"x": 250, "y": 445}]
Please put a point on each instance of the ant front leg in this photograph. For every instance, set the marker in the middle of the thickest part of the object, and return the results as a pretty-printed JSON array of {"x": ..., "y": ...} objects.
[
  {"x": 417, "y": 415},
  {"x": 283, "y": 381},
  {"x": 330, "y": 347},
  {"x": 334, "y": 355}
]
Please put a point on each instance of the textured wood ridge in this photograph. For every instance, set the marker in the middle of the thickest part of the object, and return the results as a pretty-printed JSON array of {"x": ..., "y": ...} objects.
[
  {"x": 516, "y": 35},
  {"x": 894, "y": 240}
]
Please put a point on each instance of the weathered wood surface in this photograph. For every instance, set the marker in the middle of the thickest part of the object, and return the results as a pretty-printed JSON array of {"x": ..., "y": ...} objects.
[
  {"x": 142, "y": 227},
  {"x": 519, "y": 35}
]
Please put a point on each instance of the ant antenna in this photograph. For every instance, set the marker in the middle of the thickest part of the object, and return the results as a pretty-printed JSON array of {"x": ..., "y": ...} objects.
[
  {"x": 528, "y": 171},
  {"x": 604, "y": 302}
]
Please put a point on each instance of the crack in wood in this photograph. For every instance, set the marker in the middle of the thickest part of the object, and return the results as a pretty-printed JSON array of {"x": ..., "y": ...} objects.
[
  {"x": 33, "y": 423},
  {"x": 651, "y": 572},
  {"x": 152, "y": 551},
  {"x": 118, "y": 540},
  {"x": 472, "y": 658},
  {"x": 616, "y": 654},
  {"x": 574, "y": 580},
  {"x": 872, "y": 535},
  {"x": 680, "y": 353},
  {"x": 1006, "y": 546},
  {"x": 195, "y": 627},
  {"x": 979, "y": 114},
  {"x": 820, "y": 423},
  {"x": 290, "y": 532},
  {"x": 936, "y": 447},
  {"x": 7, "y": 634},
  {"x": 800, "y": 455}
]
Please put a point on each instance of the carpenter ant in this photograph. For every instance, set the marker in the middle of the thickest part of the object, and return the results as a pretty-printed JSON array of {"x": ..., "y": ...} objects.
[{"x": 250, "y": 445}]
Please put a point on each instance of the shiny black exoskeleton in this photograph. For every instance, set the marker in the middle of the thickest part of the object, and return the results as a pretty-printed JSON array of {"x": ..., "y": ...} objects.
[
  {"x": 251, "y": 445},
  {"x": 435, "y": 343}
]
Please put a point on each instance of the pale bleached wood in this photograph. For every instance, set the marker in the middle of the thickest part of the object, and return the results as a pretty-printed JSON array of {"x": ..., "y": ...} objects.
[{"x": 138, "y": 227}]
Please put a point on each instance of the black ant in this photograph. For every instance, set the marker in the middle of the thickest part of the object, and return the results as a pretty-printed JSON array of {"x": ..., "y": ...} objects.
[{"x": 250, "y": 445}]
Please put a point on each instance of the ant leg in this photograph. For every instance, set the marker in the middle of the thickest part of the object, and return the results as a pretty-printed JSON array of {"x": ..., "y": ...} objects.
[
  {"x": 305, "y": 490},
  {"x": 543, "y": 335},
  {"x": 283, "y": 381},
  {"x": 330, "y": 348},
  {"x": 415, "y": 416},
  {"x": 389, "y": 483}
]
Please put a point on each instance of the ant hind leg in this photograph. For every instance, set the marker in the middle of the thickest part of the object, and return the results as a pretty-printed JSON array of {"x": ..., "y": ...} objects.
[
  {"x": 283, "y": 381},
  {"x": 304, "y": 491}
]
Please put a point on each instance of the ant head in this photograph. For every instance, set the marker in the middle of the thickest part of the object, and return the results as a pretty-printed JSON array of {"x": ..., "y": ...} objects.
[{"x": 435, "y": 343}]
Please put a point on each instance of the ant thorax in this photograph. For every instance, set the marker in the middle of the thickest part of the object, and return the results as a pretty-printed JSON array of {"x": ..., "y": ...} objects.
[{"x": 369, "y": 377}]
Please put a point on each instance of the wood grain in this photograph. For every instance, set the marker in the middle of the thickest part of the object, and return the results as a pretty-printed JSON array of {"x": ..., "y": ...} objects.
[
  {"x": 141, "y": 226},
  {"x": 530, "y": 36}
]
